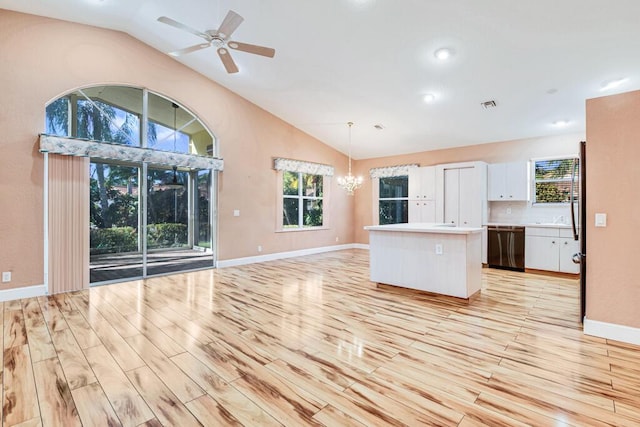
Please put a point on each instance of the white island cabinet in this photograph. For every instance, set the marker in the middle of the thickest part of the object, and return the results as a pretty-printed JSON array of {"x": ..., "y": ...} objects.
[{"x": 429, "y": 257}]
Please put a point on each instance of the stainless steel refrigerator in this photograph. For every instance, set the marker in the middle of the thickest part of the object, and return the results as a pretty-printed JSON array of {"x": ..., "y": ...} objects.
[{"x": 579, "y": 222}]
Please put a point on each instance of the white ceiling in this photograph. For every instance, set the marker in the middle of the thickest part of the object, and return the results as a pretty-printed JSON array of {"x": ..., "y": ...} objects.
[{"x": 371, "y": 61}]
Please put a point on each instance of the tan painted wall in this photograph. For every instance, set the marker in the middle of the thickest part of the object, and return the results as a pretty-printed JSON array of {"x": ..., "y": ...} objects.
[
  {"x": 496, "y": 152},
  {"x": 41, "y": 58},
  {"x": 613, "y": 149}
]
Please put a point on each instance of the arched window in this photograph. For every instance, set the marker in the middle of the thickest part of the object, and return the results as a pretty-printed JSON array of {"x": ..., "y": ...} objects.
[{"x": 117, "y": 114}]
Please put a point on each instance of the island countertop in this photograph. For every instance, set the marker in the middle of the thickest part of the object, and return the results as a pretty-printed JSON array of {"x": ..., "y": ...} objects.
[{"x": 424, "y": 227}]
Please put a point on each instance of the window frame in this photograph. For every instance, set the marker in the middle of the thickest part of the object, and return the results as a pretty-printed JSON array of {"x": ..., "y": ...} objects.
[
  {"x": 381, "y": 199},
  {"x": 535, "y": 180},
  {"x": 301, "y": 200}
]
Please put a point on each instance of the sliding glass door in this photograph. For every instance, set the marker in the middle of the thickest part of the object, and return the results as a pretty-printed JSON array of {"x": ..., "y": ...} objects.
[
  {"x": 178, "y": 221},
  {"x": 114, "y": 220}
]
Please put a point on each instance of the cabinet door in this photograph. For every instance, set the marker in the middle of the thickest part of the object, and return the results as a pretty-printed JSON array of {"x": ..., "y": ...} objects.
[
  {"x": 451, "y": 195},
  {"x": 541, "y": 253},
  {"x": 496, "y": 179},
  {"x": 517, "y": 181},
  {"x": 428, "y": 183},
  {"x": 415, "y": 183},
  {"x": 422, "y": 211},
  {"x": 428, "y": 211},
  {"x": 467, "y": 198},
  {"x": 568, "y": 247},
  {"x": 415, "y": 211}
]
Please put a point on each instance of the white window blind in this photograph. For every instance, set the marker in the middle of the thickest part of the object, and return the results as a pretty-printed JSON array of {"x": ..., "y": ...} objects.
[{"x": 553, "y": 180}]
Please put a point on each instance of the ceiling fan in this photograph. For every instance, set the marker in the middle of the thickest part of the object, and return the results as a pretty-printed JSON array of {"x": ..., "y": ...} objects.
[{"x": 220, "y": 39}]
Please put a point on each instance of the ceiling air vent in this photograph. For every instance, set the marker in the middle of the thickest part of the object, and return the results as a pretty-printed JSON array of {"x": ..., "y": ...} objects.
[{"x": 488, "y": 104}]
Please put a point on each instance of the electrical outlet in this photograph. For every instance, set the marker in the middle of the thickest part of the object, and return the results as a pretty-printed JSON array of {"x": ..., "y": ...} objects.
[
  {"x": 337, "y": 239},
  {"x": 236, "y": 212},
  {"x": 6, "y": 276},
  {"x": 439, "y": 249},
  {"x": 259, "y": 248},
  {"x": 508, "y": 211}
]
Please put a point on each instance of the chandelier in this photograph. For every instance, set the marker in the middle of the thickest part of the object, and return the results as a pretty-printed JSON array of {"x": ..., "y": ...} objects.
[{"x": 350, "y": 182}]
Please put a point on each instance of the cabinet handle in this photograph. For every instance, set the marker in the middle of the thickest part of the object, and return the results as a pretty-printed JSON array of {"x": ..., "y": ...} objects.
[
  {"x": 566, "y": 243},
  {"x": 553, "y": 241},
  {"x": 510, "y": 196},
  {"x": 501, "y": 196},
  {"x": 417, "y": 197}
]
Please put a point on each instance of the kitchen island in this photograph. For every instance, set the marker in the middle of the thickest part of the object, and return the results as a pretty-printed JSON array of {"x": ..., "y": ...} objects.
[{"x": 430, "y": 257}]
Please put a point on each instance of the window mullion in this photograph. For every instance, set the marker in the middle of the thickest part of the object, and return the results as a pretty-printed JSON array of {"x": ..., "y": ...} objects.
[{"x": 300, "y": 201}]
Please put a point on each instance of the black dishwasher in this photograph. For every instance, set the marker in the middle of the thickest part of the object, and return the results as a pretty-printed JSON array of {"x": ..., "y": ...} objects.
[{"x": 506, "y": 247}]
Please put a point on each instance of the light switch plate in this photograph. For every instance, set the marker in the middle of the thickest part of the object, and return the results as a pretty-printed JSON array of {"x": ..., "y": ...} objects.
[
  {"x": 236, "y": 212},
  {"x": 601, "y": 220},
  {"x": 6, "y": 276},
  {"x": 439, "y": 249}
]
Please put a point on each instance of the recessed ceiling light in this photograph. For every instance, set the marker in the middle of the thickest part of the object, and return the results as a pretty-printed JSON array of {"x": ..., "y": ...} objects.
[
  {"x": 561, "y": 123},
  {"x": 443, "y": 53},
  {"x": 429, "y": 98},
  {"x": 612, "y": 84}
]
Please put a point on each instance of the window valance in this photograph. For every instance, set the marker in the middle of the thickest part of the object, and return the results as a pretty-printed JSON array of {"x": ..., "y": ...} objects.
[
  {"x": 290, "y": 165},
  {"x": 105, "y": 150},
  {"x": 389, "y": 171}
]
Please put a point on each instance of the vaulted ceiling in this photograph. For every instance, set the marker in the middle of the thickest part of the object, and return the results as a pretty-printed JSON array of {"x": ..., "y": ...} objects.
[{"x": 373, "y": 61}]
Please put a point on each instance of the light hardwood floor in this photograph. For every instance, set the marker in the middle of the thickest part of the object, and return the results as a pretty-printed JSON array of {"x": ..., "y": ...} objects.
[{"x": 310, "y": 341}]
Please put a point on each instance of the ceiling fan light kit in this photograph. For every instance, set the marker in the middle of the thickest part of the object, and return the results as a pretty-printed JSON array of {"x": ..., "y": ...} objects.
[{"x": 220, "y": 39}]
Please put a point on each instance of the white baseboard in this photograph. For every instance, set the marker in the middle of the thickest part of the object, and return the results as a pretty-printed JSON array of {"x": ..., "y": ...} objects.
[
  {"x": 282, "y": 255},
  {"x": 26, "y": 292},
  {"x": 612, "y": 331}
]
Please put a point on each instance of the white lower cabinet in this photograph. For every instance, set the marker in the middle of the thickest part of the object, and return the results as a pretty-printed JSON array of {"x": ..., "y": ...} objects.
[
  {"x": 551, "y": 249},
  {"x": 568, "y": 247},
  {"x": 541, "y": 253},
  {"x": 422, "y": 211}
]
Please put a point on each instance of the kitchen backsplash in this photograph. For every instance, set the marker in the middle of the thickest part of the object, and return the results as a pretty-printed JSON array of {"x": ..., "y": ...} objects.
[{"x": 525, "y": 213}]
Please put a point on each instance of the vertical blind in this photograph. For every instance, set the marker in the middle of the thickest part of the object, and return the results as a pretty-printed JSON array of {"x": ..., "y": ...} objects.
[{"x": 68, "y": 183}]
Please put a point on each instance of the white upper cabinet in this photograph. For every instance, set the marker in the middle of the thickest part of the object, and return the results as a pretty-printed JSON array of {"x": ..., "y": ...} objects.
[
  {"x": 422, "y": 194},
  {"x": 422, "y": 183},
  {"x": 461, "y": 194},
  {"x": 508, "y": 181}
]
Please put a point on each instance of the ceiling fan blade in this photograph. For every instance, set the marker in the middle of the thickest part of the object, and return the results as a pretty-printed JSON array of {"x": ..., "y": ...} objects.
[
  {"x": 181, "y": 26},
  {"x": 227, "y": 61},
  {"x": 252, "y": 48},
  {"x": 230, "y": 24},
  {"x": 190, "y": 49}
]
